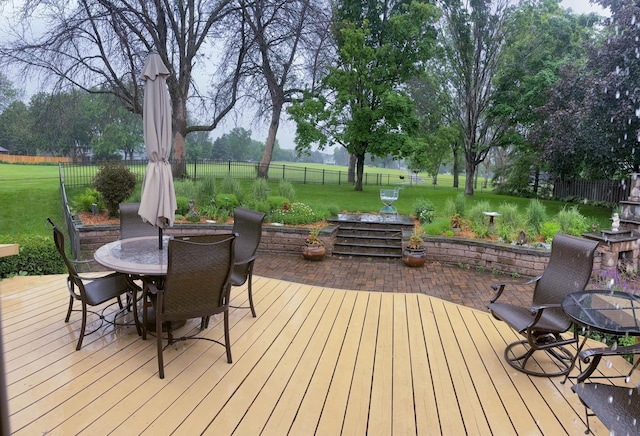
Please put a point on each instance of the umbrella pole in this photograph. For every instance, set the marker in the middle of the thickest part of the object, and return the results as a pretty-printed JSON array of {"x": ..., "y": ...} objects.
[{"x": 159, "y": 238}]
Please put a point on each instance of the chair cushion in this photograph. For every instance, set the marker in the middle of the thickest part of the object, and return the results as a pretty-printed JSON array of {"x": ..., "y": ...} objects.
[
  {"x": 618, "y": 407},
  {"x": 519, "y": 318}
]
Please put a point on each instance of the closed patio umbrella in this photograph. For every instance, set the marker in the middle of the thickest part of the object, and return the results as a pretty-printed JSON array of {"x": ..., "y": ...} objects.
[{"x": 158, "y": 202}]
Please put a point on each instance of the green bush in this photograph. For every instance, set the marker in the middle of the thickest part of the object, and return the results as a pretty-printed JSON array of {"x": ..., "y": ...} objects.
[
  {"x": 549, "y": 230},
  {"x": 206, "y": 190},
  {"x": 37, "y": 256},
  {"x": 276, "y": 202},
  {"x": 286, "y": 190},
  {"x": 571, "y": 221},
  {"x": 510, "y": 216},
  {"x": 478, "y": 221},
  {"x": 424, "y": 211},
  {"x": 226, "y": 201},
  {"x": 84, "y": 201},
  {"x": 231, "y": 186},
  {"x": 182, "y": 205},
  {"x": 297, "y": 213},
  {"x": 188, "y": 189},
  {"x": 115, "y": 182},
  {"x": 260, "y": 189},
  {"x": 536, "y": 215}
]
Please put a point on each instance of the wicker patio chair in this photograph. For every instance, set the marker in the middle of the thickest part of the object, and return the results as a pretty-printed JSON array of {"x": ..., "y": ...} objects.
[
  {"x": 196, "y": 286},
  {"x": 618, "y": 407},
  {"x": 131, "y": 224},
  {"x": 543, "y": 322},
  {"x": 90, "y": 291},
  {"x": 247, "y": 225}
]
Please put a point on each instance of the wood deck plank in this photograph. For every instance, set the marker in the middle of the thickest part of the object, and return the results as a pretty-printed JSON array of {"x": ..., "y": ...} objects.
[{"x": 403, "y": 405}]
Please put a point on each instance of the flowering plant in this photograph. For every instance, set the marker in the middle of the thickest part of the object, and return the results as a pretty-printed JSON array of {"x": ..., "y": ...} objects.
[{"x": 313, "y": 238}]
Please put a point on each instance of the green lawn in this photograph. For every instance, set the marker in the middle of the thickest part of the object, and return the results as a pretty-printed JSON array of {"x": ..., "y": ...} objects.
[{"x": 30, "y": 193}]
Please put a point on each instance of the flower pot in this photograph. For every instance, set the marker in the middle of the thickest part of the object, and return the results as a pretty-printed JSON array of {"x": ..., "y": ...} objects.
[
  {"x": 414, "y": 258},
  {"x": 314, "y": 252}
]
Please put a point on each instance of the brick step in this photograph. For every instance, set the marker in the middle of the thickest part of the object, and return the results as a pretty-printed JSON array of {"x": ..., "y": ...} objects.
[
  {"x": 366, "y": 254},
  {"x": 360, "y": 233},
  {"x": 368, "y": 246},
  {"x": 367, "y": 237}
]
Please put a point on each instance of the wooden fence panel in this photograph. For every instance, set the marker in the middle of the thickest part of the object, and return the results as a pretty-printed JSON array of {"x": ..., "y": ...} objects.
[
  {"x": 11, "y": 158},
  {"x": 612, "y": 191}
]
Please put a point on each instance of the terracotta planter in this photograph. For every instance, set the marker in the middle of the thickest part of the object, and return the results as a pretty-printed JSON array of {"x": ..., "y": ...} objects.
[
  {"x": 314, "y": 252},
  {"x": 414, "y": 258}
]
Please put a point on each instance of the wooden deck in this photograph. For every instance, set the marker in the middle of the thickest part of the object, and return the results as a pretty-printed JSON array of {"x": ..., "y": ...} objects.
[{"x": 315, "y": 360}]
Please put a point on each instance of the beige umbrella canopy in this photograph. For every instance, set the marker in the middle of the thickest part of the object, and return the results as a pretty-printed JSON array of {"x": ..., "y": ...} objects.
[{"x": 158, "y": 202}]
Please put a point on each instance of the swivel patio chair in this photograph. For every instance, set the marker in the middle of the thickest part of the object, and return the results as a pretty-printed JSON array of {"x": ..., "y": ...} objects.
[
  {"x": 196, "y": 286},
  {"x": 90, "y": 291},
  {"x": 543, "y": 322},
  {"x": 617, "y": 406},
  {"x": 247, "y": 225}
]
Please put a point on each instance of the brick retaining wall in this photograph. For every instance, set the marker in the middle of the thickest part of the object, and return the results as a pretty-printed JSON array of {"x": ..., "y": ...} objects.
[{"x": 472, "y": 253}]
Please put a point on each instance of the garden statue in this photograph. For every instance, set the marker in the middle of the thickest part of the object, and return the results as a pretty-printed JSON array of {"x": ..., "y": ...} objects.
[{"x": 615, "y": 224}]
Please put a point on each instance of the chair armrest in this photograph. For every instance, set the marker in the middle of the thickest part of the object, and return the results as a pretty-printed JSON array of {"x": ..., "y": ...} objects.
[
  {"x": 499, "y": 287},
  {"x": 538, "y": 308},
  {"x": 592, "y": 356}
]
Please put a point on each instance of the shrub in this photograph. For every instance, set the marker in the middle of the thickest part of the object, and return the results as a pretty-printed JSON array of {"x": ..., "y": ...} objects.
[
  {"x": 285, "y": 189},
  {"x": 182, "y": 205},
  {"x": 424, "y": 211},
  {"x": 37, "y": 256},
  {"x": 116, "y": 183},
  {"x": 510, "y": 216},
  {"x": 260, "y": 189},
  {"x": 276, "y": 202},
  {"x": 549, "y": 229},
  {"x": 206, "y": 190},
  {"x": 84, "y": 201},
  {"x": 571, "y": 221},
  {"x": 296, "y": 213},
  {"x": 460, "y": 203},
  {"x": 231, "y": 186},
  {"x": 536, "y": 215},
  {"x": 188, "y": 189},
  {"x": 226, "y": 201}
]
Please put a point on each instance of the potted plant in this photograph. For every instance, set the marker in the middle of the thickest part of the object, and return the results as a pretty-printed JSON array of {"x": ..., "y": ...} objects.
[
  {"x": 414, "y": 255},
  {"x": 456, "y": 223},
  {"x": 313, "y": 246}
]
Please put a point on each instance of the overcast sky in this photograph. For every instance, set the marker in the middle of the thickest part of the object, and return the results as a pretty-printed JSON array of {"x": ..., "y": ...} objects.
[{"x": 583, "y": 7}]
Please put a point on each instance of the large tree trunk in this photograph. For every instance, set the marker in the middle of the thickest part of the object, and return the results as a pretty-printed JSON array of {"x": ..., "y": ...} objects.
[
  {"x": 179, "y": 124},
  {"x": 351, "y": 172},
  {"x": 263, "y": 170},
  {"x": 359, "y": 172},
  {"x": 470, "y": 180},
  {"x": 455, "y": 169}
]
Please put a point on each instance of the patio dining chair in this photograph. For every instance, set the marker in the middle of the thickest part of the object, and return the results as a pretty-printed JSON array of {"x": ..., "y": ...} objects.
[
  {"x": 197, "y": 285},
  {"x": 543, "y": 321},
  {"x": 131, "y": 224},
  {"x": 90, "y": 291},
  {"x": 247, "y": 225}
]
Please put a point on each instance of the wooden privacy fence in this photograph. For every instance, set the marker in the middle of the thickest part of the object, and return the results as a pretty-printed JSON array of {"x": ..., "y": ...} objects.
[
  {"x": 613, "y": 191},
  {"x": 12, "y": 158}
]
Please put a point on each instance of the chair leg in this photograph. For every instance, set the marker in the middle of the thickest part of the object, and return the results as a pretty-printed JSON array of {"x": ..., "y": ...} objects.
[
  {"x": 227, "y": 340},
  {"x": 560, "y": 355},
  {"x": 159, "y": 342},
  {"x": 84, "y": 326},
  {"x": 69, "y": 309},
  {"x": 249, "y": 280}
]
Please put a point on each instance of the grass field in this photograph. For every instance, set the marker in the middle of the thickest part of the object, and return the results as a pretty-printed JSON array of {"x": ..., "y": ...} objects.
[{"x": 30, "y": 193}]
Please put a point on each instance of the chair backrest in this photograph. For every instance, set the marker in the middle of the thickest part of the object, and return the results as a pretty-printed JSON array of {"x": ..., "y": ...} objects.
[
  {"x": 198, "y": 273},
  {"x": 569, "y": 269},
  {"x": 58, "y": 239},
  {"x": 131, "y": 224},
  {"x": 247, "y": 224}
]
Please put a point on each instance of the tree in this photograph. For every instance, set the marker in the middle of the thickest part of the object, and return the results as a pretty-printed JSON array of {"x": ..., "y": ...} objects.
[
  {"x": 363, "y": 104},
  {"x": 541, "y": 37},
  {"x": 8, "y": 94},
  {"x": 286, "y": 36},
  {"x": 16, "y": 130},
  {"x": 473, "y": 41},
  {"x": 101, "y": 46}
]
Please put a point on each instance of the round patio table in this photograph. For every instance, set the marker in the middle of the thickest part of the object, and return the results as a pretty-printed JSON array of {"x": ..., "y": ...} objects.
[
  {"x": 137, "y": 256},
  {"x": 605, "y": 311}
]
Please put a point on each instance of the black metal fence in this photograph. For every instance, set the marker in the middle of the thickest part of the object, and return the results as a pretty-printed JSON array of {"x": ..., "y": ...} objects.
[{"x": 79, "y": 174}]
